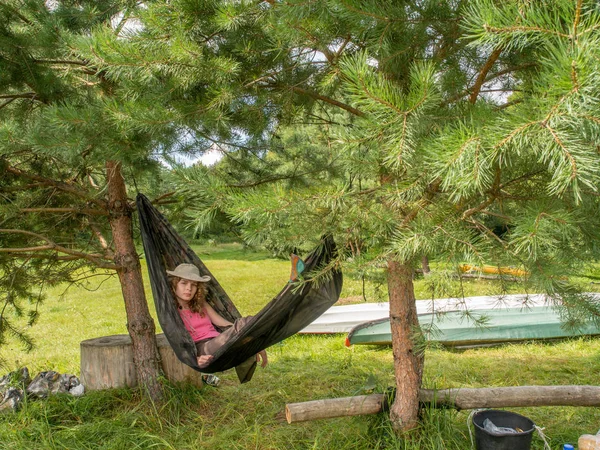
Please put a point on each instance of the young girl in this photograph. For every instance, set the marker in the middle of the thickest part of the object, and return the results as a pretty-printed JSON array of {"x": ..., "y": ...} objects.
[{"x": 199, "y": 317}]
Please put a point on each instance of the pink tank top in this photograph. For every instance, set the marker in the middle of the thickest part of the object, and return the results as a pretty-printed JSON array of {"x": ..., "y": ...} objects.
[{"x": 199, "y": 327}]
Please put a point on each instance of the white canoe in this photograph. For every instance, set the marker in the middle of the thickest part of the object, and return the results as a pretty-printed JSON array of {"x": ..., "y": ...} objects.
[{"x": 341, "y": 319}]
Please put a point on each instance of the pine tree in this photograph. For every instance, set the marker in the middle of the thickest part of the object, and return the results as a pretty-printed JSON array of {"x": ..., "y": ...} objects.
[
  {"x": 64, "y": 211},
  {"x": 403, "y": 128}
]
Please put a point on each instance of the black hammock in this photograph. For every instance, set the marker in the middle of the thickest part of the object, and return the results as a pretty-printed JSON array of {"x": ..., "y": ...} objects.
[{"x": 295, "y": 307}]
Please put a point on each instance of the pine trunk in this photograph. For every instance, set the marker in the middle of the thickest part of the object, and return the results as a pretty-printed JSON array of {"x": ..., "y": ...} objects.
[
  {"x": 408, "y": 360},
  {"x": 139, "y": 322},
  {"x": 425, "y": 265}
]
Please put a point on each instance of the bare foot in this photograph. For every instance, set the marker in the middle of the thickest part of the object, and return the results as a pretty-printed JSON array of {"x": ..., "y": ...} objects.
[{"x": 204, "y": 360}]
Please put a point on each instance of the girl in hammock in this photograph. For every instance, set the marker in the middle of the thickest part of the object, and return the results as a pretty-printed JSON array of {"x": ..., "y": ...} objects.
[{"x": 199, "y": 317}]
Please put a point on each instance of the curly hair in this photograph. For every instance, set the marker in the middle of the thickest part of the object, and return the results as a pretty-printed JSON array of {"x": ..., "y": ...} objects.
[{"x": 198, "y": 302}]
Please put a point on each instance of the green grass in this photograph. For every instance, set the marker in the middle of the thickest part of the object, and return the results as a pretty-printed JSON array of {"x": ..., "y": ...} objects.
[{"x": 301, "y": 368}]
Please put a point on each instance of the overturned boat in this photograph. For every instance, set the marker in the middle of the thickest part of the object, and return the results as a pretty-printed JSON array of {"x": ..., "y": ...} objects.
[
  {"x": 457, "y": 329},
  {"x": 342, "y": 319}
]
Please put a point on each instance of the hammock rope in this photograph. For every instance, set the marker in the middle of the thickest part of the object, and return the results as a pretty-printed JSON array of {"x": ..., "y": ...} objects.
[{"x": 295, "y": 307}]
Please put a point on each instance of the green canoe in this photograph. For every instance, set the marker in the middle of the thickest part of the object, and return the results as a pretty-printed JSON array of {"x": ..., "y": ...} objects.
[{"x": 454, "y": 329}]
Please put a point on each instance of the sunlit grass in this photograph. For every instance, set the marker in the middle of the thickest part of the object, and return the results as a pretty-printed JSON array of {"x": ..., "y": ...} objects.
[{"x": 301, "y": 368}]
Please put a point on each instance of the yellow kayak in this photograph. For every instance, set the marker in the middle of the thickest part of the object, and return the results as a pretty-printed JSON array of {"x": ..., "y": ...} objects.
[{"x": 493, "y": 270}]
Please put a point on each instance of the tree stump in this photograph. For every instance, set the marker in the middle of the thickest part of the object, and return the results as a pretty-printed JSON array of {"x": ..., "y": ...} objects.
[{"x": 107, "y": 362}]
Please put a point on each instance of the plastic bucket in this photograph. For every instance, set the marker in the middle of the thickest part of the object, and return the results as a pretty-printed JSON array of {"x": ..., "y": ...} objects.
[{"x": 485, "y": 440}]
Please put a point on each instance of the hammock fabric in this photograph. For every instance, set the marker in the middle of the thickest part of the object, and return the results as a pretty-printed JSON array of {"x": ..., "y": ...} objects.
[{"x": 295, "y": 307}]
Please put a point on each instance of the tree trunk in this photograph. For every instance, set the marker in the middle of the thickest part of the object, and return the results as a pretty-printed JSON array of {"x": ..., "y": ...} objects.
[
  {"x": 139, "y": 322},
  {"x": 425, "y": 265},
  {"x": 408, "y": 359}
]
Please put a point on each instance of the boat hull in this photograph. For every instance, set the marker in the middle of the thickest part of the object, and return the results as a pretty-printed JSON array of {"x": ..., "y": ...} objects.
[
  {"x": 342, "y": 319},
  {"x": 456, "y": 330}
]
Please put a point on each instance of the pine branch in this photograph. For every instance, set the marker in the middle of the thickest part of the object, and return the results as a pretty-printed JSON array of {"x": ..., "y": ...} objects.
[
  {"x": 343, "y": 46},
  {"x": 562, "y": 146},
  {"x": 158, "y": 200},
  {"x": 376, "y": 99},
  {"x": 328, "y": 55},
  {"x": 78, "y": 281},
  {"x": 510, "y": 70},
  {"x": 491, "y": 199},
  {"x": 21, "y": 188},
  {"x": 483, "y": 74},
  {"x": 461, "y": 241},
  {"x": 226, "y": 154},
  {"x": 488, "y": 79},
  {"x": 6, "y": 103},
  {"x": 513, "y": 133},
  {"x": 508, "y": 30},
  {"x": 29, "y": 95},
  {"x": 90, "y": 212},
  {"x": 432, "y": 189},
  {"x": 124, "y": 19},
  {"x": 60, "y": 61},
  {"x": 51, "y": 245},
  {"x": 523, "y": 177},
  {"x": 54, "y": 257},
  {"x": 287, "y": 69},
  {"x": 275, "y": 179},
  {"x": 220, "y": 143},
  {"x": 57, "y": 184},
  {"x": 16, "y": 13},
  {"x": 495, "y": 214},
  {"x": 577, "y": 18},
  {"x": 331, "y": 101},
  {"x": 469, "y": 212},
  {"x": 318, "y": 120},
  {"x": 103, "y": 242},
  {"x": 508, "y": 104},
  {"x": 365, "y": 13}
]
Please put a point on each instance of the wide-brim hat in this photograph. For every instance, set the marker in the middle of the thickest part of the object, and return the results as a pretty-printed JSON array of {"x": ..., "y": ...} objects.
[{"x": 189, "y": 272}]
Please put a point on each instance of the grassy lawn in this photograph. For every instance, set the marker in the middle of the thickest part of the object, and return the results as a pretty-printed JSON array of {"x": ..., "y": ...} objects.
[{"x": 301, "y": 368}]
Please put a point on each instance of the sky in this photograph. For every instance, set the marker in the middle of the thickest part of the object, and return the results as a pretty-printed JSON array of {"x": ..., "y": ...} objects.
[
  {"x": 211, "y": 157},
  {"x": 208, "y": 159}
]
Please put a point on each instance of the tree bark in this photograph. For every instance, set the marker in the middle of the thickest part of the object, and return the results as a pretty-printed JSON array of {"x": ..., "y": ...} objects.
[
  {"x": 139, "y": 322},
  {"x": 425, "y": 265},
  {"x": 408, "y": 359}
]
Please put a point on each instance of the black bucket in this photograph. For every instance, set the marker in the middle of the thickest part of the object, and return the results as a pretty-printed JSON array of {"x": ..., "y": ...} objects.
[{"x": 484, "y": 440}]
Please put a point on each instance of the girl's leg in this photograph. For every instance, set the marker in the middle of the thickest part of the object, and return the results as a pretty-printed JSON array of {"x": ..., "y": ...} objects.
[{"x": 212, "y": 345}]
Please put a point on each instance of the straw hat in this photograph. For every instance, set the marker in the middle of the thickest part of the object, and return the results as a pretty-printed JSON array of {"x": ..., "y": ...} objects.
[{"x": 188, "y": 272}]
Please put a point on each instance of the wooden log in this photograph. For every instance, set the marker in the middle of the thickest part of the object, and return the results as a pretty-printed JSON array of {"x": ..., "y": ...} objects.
[
  {"x": 107, "y": 362},
  {"x": 334, "y": 407},
  {"x": 462, "y": 398},
  {"x": 502, "y": 397}
]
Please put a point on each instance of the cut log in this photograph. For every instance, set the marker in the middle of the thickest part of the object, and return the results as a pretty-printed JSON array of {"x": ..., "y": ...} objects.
[
  {"x": 107, "y": 362},
  {"x": 501, "y": 397},
  {"x": 463, "y": 398},
  {"x": 334, "y": 407}
]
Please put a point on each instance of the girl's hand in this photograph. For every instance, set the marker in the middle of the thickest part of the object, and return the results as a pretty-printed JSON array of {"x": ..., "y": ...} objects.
[
  {"x": 204, "y": 360},
  {"x": 262, "y": 355}
]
